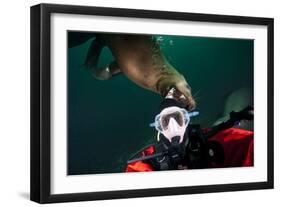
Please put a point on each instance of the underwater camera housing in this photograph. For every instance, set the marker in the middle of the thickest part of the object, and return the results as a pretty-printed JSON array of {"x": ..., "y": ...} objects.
[{"x": 196, "y": 151}]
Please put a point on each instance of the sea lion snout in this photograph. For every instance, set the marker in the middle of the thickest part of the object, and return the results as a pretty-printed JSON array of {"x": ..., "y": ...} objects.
[
  {"x": 188, "y": 99},
  {"x": 171, "y": 78}
]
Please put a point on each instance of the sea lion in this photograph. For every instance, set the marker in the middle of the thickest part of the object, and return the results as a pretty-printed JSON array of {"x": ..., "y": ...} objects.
[{"x": 139, "y": 57}]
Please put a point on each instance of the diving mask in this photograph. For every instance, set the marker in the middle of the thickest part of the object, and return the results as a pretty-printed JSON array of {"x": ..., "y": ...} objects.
[{"x": 173, "y": 121}]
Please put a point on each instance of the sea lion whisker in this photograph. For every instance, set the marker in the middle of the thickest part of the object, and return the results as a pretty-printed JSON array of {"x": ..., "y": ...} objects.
[{"x": 196, "y": 94}]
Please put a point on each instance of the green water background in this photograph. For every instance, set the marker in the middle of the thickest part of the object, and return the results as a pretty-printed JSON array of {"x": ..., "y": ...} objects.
[{"x": 108, "y": 121}]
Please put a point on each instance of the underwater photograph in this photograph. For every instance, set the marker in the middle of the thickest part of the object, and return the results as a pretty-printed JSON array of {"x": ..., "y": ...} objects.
[{"x": 142, "y": 102}]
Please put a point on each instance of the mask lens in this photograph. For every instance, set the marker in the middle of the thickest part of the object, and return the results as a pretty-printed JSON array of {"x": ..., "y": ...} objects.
[
  {"x": 178, "y": 116},
  {"x": 165, "y": 121}
]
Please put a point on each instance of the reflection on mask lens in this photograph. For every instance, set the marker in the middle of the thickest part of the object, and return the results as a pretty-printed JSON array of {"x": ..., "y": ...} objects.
[{"x": 178, "y": 116}]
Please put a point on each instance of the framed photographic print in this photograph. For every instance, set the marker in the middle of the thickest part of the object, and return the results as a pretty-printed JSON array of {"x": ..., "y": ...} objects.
[{"x": 132, "y": 103}]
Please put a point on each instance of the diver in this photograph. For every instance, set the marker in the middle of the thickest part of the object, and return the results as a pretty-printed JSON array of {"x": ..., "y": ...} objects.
[{"x": 181, "y": 145}]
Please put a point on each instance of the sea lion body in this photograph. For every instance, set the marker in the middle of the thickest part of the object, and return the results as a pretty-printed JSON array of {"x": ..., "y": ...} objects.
[{"x": 139, "y": 57}]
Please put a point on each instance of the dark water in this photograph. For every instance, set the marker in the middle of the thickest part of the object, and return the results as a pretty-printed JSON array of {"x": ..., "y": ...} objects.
[{"x": 108, "y": 121}]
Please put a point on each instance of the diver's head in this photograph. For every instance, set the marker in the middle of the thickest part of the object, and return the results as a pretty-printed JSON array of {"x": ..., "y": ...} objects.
[{"x": 172, "y": 120}]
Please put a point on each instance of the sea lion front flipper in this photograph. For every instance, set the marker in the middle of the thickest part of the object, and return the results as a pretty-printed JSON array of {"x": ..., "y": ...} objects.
[
  {"x": 107, "y": 72},
  {"x": 91, "y": 62},
  {"x": 93, "y": 54}
]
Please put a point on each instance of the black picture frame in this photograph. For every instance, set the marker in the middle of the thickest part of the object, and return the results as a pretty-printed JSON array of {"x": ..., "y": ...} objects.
[{"x": 41, "y": 95}]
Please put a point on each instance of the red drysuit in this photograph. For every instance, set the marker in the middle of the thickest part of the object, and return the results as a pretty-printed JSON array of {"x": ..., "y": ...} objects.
[{"x": 237, "y": 145}]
